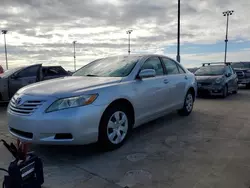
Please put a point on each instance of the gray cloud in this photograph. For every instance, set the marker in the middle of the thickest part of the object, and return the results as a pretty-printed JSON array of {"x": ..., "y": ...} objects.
[{"x": 43, "y": 30}]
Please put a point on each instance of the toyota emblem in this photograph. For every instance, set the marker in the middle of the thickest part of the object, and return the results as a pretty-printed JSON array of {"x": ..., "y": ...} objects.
[{"x": 18, "y": 101}]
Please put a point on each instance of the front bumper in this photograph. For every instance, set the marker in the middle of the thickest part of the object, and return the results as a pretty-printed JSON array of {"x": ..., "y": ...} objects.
[
  {"x": 215, "y": 90},
  {"x": 70, "y": 126}
]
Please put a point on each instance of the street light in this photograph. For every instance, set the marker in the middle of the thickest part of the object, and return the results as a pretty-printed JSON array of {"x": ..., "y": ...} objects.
[
  {"x": 129, "y": 32},
  {"x": 178, "y": 57},
  {"x": 227, "y": 14},
  {"x": 74, "y": 43},
  {"x": 4, "y": 32}
]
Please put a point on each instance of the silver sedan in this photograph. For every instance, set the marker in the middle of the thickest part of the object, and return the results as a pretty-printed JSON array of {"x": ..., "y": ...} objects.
[{"x": 102, "y": 102}]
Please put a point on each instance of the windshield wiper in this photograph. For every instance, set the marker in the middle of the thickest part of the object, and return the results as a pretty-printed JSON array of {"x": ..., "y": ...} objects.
[{"x": 93, "y": 75}]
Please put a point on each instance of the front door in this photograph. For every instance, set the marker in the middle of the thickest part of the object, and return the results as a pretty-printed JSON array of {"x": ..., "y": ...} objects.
[
  {"x": 23, "y": 78},
  {"x": 151, "y": 93}
]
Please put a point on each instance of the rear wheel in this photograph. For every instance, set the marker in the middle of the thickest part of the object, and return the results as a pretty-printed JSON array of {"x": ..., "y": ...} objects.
[
  {"x": 188, "y": 105},
  {"x": 115, "y": 127}
]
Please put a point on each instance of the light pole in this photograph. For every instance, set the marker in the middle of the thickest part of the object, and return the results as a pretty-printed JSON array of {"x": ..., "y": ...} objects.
[
  {"x": 74, "y": 43},
  {"x": 227, "y": 14},
  {"x": 178, "y": 57},
  {"x": 4, "y": 32},
  {"x": 129, "y": 32}
]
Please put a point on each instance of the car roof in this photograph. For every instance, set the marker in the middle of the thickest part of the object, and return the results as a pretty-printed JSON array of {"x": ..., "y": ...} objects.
[
  {"x": 137, "y": 55},
  {"x": 52, "y": 66}
]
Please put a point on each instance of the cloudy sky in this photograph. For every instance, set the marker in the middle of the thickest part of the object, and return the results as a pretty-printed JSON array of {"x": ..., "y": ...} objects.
[{"x": 42, "y": 31}]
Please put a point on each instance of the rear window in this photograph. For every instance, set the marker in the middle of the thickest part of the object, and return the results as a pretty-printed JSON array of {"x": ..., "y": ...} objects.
[
  {"x": 241, "y": 65},
  {"x": 54, "y": 71},
  {"x": 238, "y": 65}
]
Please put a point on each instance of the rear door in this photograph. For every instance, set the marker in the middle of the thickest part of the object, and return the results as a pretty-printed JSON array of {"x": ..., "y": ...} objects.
[
  {"x": 177, "y": 81},
  {"x": 26, "y": 76}
]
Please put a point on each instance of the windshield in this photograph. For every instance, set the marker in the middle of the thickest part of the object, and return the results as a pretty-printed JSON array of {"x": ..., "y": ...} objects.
[
  {"x": 9, "y": 72},
  {"x": 210, "y": 70},
  {"x": 117, "y": 66}
]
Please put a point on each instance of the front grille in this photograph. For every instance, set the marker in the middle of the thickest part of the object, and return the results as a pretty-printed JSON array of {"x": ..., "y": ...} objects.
[
  {"x": 22, "y": 133},
  {"x": 25, "y": 108},
  {"x": 240, "y": 74}
]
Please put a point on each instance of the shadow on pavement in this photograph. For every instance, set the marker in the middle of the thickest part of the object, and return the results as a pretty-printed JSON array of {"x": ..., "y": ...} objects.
[{"x": 74, "y": 153}]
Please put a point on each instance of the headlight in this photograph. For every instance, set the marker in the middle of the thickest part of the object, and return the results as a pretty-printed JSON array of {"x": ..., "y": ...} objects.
[
  {"x": 71, "y": 102},
  {"x": 218, "y": 80},
  {"x": 248, "y": 71}
]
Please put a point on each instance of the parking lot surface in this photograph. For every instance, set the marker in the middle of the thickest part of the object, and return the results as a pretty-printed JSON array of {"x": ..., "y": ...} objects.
[{"x": 209, "y": 148}]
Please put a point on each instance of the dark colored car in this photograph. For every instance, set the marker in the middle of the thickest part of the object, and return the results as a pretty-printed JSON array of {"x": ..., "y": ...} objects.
[
  {"x": 216, "y": 79},
  {"x": 14, "y": 79},
  {"x": 242, "y": 70},
  {"x": 193, "y": 70}
]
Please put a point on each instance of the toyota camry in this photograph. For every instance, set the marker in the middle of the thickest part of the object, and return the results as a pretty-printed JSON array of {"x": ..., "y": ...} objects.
[{"x": 102, "y": 101}]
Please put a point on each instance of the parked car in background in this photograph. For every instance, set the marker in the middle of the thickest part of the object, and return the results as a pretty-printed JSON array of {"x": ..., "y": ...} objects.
[
  {"x": 193, "y": 70},
  {"x": 14, "y": 79},
  {"x": 70, "y": 72},
  {"x": 242, "y": 70},
  {"x": 1, "y": 70},
  {"x": 103, "y": 101},
  {"x": 216, "y": 79}
]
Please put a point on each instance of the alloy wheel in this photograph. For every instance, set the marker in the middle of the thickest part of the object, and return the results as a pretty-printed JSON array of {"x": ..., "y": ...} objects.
[
  {"x": 117, "y": 128},
  {"x": 189, "y": 102}
]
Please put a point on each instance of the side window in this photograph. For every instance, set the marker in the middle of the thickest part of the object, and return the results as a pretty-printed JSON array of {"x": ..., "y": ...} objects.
[
  {"x": 29, "y": 72},
  {"x": 153, "y": 63},
  {"x": 171, "y": 66},
  {"x": 181, "y": 70}
]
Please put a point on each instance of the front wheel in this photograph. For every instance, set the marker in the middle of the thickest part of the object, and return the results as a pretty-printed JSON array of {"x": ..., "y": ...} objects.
[
  {"x": 115, "y": 127},
  {"x": 188, "y": 105},
  {"x": 225, "y": 91},
  {"x": 236, "y": 90}
]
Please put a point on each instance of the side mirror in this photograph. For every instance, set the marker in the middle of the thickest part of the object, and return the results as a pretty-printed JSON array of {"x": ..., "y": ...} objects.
[
  {"x": 228, "y": 74},
  {"x": 147, "y": 73}
]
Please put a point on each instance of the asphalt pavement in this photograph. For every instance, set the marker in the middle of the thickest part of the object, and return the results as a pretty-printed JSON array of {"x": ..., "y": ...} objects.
[{"x": 209, "y": 148}]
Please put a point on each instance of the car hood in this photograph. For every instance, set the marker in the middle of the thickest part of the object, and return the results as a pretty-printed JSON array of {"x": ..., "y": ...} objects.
[
  {"x": 207, "y": 78},
  {"x": 67, "y": 86}
]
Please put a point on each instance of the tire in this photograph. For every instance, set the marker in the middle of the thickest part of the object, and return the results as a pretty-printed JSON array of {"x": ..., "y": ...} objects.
[
  {"x": 188, "y": 105},
  {"x": 225, "y": 91},
  {"x": 110, "y": 127},
  {"x": 235, "y": 91},
  {"x": 248, "y": 86}
]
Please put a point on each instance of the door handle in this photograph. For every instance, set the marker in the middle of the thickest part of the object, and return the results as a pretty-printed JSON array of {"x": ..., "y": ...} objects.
[{"x": 165, "y": 81}]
